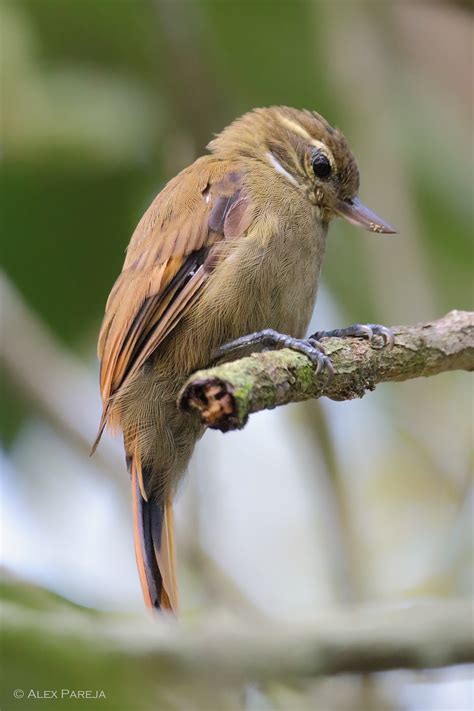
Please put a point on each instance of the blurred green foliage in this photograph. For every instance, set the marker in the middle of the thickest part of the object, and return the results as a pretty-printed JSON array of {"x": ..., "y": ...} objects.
[
  {"x": 64, "y": 263},
  {"x": 57, "y": 662}
]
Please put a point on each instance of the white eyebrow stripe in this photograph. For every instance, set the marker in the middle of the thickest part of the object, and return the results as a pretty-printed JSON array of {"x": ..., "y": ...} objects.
[
  {"x": 297, "y": 128},
  {"x": 280, "y": 169},
  {"x": 293, "y": 126}
]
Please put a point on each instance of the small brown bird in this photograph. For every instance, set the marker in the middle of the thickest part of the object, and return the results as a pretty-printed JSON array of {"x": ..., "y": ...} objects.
[{"x": 232, "y": 246}]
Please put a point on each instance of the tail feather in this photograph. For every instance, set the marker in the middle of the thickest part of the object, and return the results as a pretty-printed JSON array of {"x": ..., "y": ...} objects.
[
  {"x": 154, "y": 548},
  {"x": 166, "y": 558}
]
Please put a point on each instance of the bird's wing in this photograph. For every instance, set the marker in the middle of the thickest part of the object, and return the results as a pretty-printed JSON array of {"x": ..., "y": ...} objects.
[{"x": 165, "y": 267}]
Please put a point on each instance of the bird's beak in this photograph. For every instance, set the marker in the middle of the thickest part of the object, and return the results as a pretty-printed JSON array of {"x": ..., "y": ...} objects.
[{"x": 358, "y": 214}]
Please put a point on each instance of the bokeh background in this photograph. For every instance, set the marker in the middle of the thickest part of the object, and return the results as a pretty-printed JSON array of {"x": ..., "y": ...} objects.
[{"x": 313, "y": 505}]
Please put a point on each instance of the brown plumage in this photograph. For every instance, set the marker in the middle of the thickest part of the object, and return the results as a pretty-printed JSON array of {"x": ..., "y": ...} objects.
[{"x": 231, "y": 245}]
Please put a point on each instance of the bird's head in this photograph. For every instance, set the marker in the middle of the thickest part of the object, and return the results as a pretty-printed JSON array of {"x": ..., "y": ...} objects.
[{"x": 309, "y": 153}]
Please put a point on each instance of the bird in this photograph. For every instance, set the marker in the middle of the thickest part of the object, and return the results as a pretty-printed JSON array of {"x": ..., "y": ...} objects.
[{"x": 226, "y": 260}]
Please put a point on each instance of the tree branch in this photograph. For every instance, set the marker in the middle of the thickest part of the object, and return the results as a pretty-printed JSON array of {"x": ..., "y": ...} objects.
[
  {"x": 225, "y": 396},
  {"x": 366, "y": 639}
]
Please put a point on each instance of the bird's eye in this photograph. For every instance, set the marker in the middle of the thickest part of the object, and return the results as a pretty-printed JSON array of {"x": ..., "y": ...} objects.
[{"x": 321, "y": 165}]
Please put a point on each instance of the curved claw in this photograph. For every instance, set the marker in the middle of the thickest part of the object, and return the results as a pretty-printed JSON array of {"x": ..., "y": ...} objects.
[
  {"x": 330, "y": 370},
  {"x": 386, "y": 334},
  {"x": 320, "y": 359},
  {"x": 363, "y": 331},
  {"x": 319, "y": 366}
]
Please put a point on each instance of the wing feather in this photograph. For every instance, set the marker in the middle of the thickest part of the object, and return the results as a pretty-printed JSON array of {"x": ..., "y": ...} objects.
[{"x": 164, "y": 268}]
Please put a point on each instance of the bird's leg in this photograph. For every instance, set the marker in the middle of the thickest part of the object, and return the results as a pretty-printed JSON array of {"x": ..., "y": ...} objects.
[
  {"x": 371, "y": 331},
  {"x": 269, "y": 339}
]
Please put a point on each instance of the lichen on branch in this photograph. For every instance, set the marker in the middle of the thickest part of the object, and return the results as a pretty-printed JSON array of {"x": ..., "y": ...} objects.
[{"x": 224, "y": 396}]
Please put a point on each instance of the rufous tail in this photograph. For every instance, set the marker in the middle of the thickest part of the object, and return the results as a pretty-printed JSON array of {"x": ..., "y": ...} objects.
[{"x": 154, "y": 546}]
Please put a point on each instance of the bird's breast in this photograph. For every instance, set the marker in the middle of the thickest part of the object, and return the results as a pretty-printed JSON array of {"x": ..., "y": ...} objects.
[
  {"x": 294, "y": 263},
  {"x": 267, "y": 280}
]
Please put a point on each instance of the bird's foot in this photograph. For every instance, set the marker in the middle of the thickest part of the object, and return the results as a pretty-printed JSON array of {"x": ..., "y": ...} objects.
[
  {"x": 269, "y": 339},
  {"x": 378, "y": 336}
]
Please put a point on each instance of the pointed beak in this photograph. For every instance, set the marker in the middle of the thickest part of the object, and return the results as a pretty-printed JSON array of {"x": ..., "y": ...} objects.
[{"x": 358, "y": 214}]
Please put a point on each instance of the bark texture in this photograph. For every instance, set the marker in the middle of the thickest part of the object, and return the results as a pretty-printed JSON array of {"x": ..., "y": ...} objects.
[{"x": 225, "y": 396}]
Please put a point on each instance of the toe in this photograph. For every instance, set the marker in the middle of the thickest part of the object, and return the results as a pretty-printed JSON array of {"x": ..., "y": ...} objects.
[
  {"x": 326, "y": 364},
  {"x": 363, "y": 331},
  {"x": 385, "y": 334},
  {"x": 316, "y": 344}
]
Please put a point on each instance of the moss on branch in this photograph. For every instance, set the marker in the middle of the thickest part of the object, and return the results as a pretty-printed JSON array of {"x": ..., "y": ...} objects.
[{"x": 225, "y": 396}]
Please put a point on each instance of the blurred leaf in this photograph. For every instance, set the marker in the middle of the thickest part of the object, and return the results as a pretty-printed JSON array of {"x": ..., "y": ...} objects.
[
  {"x": 67, "y": 231},
  {"x": 119, "y": 34}
]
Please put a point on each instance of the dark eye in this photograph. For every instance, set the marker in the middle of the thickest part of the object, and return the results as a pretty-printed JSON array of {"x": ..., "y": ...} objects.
[{"x": 321, "y": 165}]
